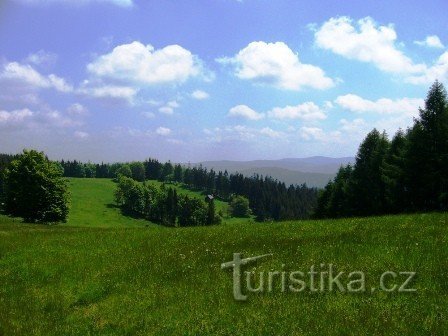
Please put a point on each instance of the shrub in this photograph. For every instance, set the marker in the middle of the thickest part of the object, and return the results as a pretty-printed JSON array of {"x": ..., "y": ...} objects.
[{"x": 239, "y": 206}]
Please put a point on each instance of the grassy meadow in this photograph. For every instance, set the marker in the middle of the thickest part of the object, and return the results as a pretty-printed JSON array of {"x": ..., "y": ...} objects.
[{"x": 105, "y": 274}]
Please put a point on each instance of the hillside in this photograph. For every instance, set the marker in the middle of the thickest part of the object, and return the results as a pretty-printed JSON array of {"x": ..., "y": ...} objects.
[
  {"x": 314, "y": 164},
  {"x": 290, "y": 176},
  {"x": 72, "y": 279},
  {"x": 315, "y": 171},
  {"x": 92, "y": 205}
]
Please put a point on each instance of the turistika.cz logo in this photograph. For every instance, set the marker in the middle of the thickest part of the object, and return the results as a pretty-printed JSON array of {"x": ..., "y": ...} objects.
[{"x": 321, "y": 278}]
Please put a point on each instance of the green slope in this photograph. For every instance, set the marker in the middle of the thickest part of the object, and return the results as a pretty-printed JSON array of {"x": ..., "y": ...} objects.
[
  {"x": 74, "y": 280},
  {"x": 92, "y": 205}
]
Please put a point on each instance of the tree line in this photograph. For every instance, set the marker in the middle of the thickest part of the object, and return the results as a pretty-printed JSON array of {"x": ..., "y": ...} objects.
[
  {"x": 163, "y": 205},
  {"x": 269, "y": 199},
  {"x": 407, "y": 174}
]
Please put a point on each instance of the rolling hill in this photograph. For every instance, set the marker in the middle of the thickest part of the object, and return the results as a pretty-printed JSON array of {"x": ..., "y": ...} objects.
[{"x": 315, "y": 171}]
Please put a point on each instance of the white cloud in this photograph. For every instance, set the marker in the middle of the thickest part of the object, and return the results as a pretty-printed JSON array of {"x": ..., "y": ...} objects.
[
  {"x": 55, "y": 119},
  {"x": 40, "y": 119},
  {"x": 365, "y": 41},
  {"x": 276, "y": 64},
  {"x": 24, "y": 74},
  {"x": 354, "y": 103},
  {"x": 311, "y": 133},
  {"x": 353, "y": 126},
  {"x": 166, "y": 110},
  {"x": 14, "y": 117},
  {"x": 113, "y": 92},
  {"x": 242, "y": 133},
  {"x": 169, "y": 107},
  {"x": 307, "y": 112},
  {"x": 244, "y": 111},
  {"x": 437, "y": 71},
  {"x": 269, "y": 132},
  {"x": 173, "y": 104},
  {"x": 200, "y": 95},
  {"x": 41, "y": 57},
  {"x": 142, "y": 64},
  {"x": 81, "y": 135},
  {"x": 121, "y": 3},
  {"x": 431, "y": 41},
  {"x": 163, "y": 131},
  {"x": 77, "y": 110}
]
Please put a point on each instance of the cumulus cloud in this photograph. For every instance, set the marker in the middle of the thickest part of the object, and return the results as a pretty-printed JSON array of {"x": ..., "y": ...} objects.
[
  {"x": 244, "y": 111},
  {"x": 276, "y": 64},
  {"x": 369, "y": 42},
  {"x": 354, "y": 103},
  {"x": 365, "y": 41},
  {"x": 200, "y": 95},
  {"x": 120, "y": 3},
  {"x": 431, "y": 41},
  {"x": 307, "y": 112},
  {"x": 439, "y": 70},
  {"x": 26, "y": 75},
  {"x": 137, "y": 63},
  {"x": 163, "y": 131}
]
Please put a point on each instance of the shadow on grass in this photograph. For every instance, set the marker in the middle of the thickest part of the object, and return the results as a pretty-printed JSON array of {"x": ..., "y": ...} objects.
[{"x": 112, "y": 206}]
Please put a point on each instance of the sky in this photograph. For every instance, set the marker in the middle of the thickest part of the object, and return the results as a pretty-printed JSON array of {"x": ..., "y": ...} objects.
[{"x": 188, "y": 81}]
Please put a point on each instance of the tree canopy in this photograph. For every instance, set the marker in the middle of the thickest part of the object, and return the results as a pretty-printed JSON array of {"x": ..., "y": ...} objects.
[{"x": 35, "y": 189}]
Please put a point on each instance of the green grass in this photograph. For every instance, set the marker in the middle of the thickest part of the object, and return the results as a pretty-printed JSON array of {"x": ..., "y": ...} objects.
[
  {"x": 92, "y": 205},
  {"x": 72, "y": 279}
]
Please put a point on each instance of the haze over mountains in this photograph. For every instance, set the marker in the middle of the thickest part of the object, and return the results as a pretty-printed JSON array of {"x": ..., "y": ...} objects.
[{"x": 315, "y": 171}]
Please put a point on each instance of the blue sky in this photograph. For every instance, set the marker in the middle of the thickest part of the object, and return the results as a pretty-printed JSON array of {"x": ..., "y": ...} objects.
[{"x": 107, "y": 80}]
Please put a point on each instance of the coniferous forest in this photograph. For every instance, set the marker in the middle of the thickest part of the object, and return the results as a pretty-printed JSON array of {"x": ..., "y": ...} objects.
[{"x": 406, "y": 174}]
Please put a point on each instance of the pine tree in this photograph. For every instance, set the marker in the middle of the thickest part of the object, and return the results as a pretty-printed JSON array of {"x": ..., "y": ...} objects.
[
  {"x": 427, "y": 154},
  {"x": 367, "y": 188},
  {"x": 392, "y": 175}
]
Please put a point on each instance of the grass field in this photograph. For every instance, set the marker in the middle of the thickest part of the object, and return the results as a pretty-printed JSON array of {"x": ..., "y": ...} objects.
[
  {"x": 92, "y": 205},
  {"x": 104, "y": 274}
]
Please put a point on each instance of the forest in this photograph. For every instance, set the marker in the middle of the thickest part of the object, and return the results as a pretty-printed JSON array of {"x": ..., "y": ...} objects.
[{"x": 407, "y": 174}]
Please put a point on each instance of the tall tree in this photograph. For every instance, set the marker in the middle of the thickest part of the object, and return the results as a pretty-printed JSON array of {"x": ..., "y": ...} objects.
[
  {"x": 427, "y": 155},
  {"x": 367, "y": 189},
  {"x": 393, "y": 175}
]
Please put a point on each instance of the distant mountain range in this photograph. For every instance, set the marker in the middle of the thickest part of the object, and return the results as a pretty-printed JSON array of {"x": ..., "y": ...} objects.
[{"x": 315, "y": 171}]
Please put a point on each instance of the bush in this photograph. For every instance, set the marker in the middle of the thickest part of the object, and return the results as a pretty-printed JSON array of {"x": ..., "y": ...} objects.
[
  {"x": 35, "y": 189},
  {"x": 239, "y": 206}
]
